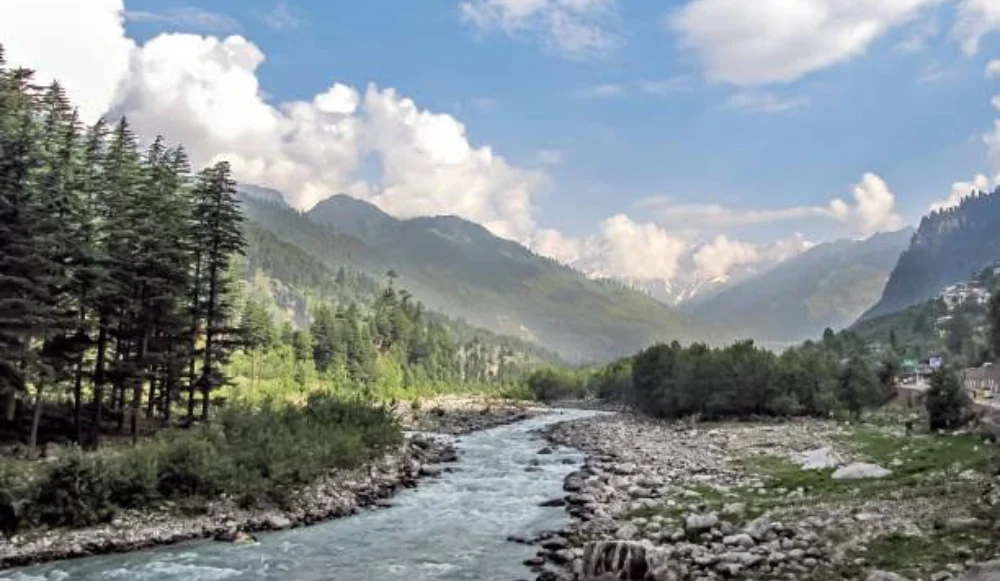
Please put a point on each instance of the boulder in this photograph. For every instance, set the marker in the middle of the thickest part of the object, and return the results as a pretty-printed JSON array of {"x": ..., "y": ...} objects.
[
  {"x": 696, "y": 523},
  {"x": 819, "y": 459},
  {"x": 627, "y": 561},
  {"x": 987, "y": 571},
  {"x": 277, "y": 522},
  {"x": 859, "y": 470}
]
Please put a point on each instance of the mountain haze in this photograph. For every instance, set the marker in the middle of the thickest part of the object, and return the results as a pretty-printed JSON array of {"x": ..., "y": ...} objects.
[
  {"x": 461, "y": 269},
  {"x": 829, "y": 285}
]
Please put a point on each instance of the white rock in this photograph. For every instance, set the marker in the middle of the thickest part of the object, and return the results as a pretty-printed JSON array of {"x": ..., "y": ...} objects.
[
  {"x": 819, "y": 459},
  {"x": 858, "y": 470},
  {"x": 700, "y": 522}
]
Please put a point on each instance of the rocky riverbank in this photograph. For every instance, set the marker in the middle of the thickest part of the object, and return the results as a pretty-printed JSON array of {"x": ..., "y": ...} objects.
[
  {"x": 798, "y": 500},
  {"x": 458, "y": 415},
  {"x": 340, "y": 493}
]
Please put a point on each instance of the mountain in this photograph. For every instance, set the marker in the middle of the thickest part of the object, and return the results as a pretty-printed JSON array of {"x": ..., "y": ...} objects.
[
  {"x": 949, "y": 246},
  {"x": 294, "y": 281},
  {"x": 828, "y": 285},
  {"x": 261, "y": 194},
  {"x": 458, "y": 267}
]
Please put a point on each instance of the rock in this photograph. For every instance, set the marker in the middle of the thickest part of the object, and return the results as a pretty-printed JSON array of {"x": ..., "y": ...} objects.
[
  {"x": 819, "y": 459},
  {"x": 759, "y": 529},
  {"x": 545, "y": 450},
  {"x": 696, "y": 523},
  {"x": 534, "y": 562},
  {"x": 735, "y": 509},
  {"x": 859, "y": 470},
  {"x": 430, "y": 471},
  {"x": 627, "y": 532},
  {"x": 962, "y": 523},
  {"x": 740, "y": 540},
  {"x": 878, "y": 575},
  {"x": 987, "y": 571},
  {"x": 627, "y": 561},
  {"x": 941, "y": 576},
  {"x": 518, "y": 539},
  {"x": 555, "y": 544},
  {"x": 278, "y": 522},
  {"x": 553, "y": 502}
]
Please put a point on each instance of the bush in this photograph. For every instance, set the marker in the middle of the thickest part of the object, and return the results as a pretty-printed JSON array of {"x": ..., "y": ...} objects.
[
  {"x": 255, "y": 455},
  {"x": 550, "y": 385},
  {"x": 947, "y": 401},
  {"x": 77, "y": 491}
]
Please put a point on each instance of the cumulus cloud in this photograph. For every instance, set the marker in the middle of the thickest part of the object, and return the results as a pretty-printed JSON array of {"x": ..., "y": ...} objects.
[
  {"x": 993, "y": 68},
  {"x": 573, "y": 28},
  {"x": 976, "y": 19},
  {"x": 873, "y": 210},
  {"x": 95, "y": 53},
  {"x": 765, "y": 41},
  {"x": 962, "y": 190},
  {"x": 717, "y": 258}
]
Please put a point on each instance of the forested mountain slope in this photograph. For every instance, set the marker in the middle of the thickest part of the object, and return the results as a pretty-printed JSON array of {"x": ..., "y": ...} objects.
[
  {"x": 829, "y": 285},
  {"x": 950, "y": 246},
  {"x": 459, "y": 268},
  {"x": 295, "y": 282}
]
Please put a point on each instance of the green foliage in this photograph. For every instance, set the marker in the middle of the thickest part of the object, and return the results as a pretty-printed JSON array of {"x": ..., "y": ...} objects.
[
  {"x": 553, "y": 384},
  {"x": 947, "y": 401},
  {"x": 256, "y": 455},
  {"x": 995, "y": 324},
  {"x": 742, "y": 380}
]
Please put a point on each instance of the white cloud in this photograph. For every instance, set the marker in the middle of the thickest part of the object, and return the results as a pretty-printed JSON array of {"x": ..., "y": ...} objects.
[
  {"x": 764, "y": 102},
  {"x": 92, "y": 53},
  {"x": 573, "y": 28},
  {"x": 764, "y": 41},
  {"x": 992, "y": 141},
  {"x": 604, "y": 91},
  {"x": 874, "y": 208},
  {"x": 918, "y": 38},
  {"x": 188, "y": 17},
  {"x": 960, "y": 191},
  {"x": 279, "y": 17},
  {"x": 993, "y": 68},
  {"x": 717, "y": 258},
  {"x": 976, "y": 19},
  {"x": 995, "y": 101}
]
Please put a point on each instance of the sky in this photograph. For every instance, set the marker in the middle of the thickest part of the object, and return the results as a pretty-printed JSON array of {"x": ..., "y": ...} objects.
[{"x": 667, "y": 142}]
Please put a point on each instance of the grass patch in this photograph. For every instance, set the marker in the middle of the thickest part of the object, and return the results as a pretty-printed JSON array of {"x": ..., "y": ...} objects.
[{"x": 918, "y": 556}]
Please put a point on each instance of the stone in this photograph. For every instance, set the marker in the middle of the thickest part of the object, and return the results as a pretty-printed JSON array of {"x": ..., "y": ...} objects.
[
  {"x": 759, "y": 529},
  {"x": 859, "y": 470},
  {"x": 545, "y": 450},
  {"x": 627, "y": 532},
  {"x": 555, "y": 544},
  {"x": 819, "y": 459},
  {"x": 278, "y": 522},
  {"x": 941, "y": 576},
  {"x": 986, "y": 571},
  {"x": 734, "y": 509},
  {"x": 739, "y": 540},
  {"x": 695, "y": 523},
  {"x": 964, "y": 523},
  {"x": 553, "y": 502},
  {"x": 627, "y": 561},
  {"x": 534, "y": 562},
  {"x": 878, "y": 575}
]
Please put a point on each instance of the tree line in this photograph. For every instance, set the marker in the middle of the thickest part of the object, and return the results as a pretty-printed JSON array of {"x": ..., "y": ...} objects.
[{"x": 115, "y": 288}]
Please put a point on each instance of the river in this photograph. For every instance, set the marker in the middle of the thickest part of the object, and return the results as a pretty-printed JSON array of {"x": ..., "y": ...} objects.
[{"x": 450, "y": 528}]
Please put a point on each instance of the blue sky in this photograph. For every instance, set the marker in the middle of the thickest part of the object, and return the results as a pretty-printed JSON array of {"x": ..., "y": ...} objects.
[
  {"x": 623, "y": 137},
  {"x": 872, "y": 113}
]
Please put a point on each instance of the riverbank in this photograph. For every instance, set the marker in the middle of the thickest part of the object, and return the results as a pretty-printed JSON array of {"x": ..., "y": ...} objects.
[
  {"x": 457, "y": 415},
  {"x": 337, "y": 494},
  {"x": 737, "y": 501}
]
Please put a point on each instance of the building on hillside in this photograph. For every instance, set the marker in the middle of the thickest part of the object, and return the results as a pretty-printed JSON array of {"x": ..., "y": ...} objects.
[
  {"x": 963, "y": 292},
  {"x": 982, "y": 382}
]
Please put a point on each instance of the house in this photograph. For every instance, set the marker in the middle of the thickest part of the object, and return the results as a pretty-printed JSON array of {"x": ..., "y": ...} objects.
[
  {"x": 982, "y": 382},
  {"x": 962, "y": 292}
]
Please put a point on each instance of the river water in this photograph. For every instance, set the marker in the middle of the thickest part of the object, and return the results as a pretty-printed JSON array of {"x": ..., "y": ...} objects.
[{"x": 450, "y": 528}]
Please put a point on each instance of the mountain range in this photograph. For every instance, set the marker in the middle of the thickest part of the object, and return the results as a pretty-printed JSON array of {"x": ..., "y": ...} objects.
[
  {"x": 829, "y": 285},
  {"x": 458, "y": 267},
  {"x": 949, "y": 246}
]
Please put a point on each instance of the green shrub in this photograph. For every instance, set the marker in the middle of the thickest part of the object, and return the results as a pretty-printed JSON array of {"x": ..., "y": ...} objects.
[
  {"x": 135, "y": 476},
  {"x": 77, "y": 491}
]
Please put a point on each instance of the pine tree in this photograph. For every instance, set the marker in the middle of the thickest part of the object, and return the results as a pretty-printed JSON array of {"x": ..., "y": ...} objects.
[
  {"x": 947, "y": 401},
  {"x": 218, "y": 231}
]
